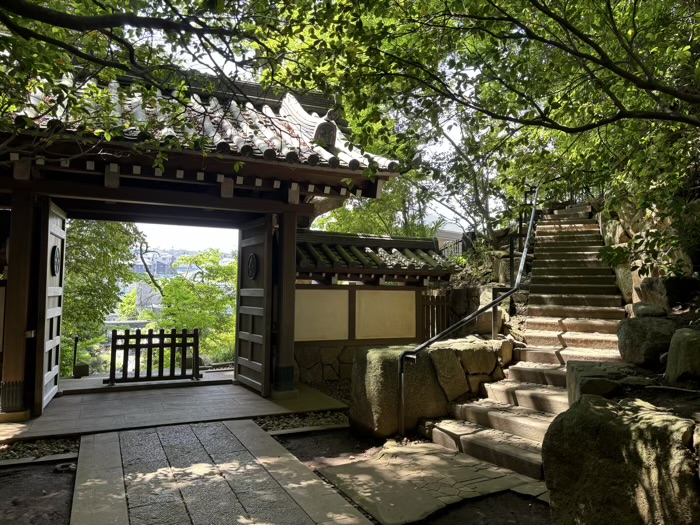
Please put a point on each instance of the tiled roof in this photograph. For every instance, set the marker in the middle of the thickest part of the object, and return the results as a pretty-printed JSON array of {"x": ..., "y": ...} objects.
[
  {"x": 346, "y": 255},
  {"x": 248, "y": 128}
]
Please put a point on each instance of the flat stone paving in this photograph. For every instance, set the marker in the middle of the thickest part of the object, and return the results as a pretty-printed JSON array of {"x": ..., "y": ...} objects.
[
  {"x": 115, "y": 411},
  {"x": 402, "y": 484},
  {"x": 200, "y": 474}
]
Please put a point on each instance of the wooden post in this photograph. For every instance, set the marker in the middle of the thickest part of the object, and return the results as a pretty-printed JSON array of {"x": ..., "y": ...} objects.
[
  {"x": 19, "y": 285},
  {"x": 283, "y": 383}
]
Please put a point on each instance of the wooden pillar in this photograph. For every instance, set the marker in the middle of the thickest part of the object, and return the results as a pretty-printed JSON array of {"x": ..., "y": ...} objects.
[
  {"x": 18, "y": 295},
  {"x": 283, "y": 382}
]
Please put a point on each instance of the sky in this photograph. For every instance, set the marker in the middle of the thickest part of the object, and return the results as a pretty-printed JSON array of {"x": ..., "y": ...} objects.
[{"x": 189, "y": 237}]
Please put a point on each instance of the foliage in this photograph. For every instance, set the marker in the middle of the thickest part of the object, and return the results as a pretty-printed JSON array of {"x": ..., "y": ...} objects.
[
  {"x": 98, "y": 262},
  {"x": 204, "y": 299},
  {"x": 401, "y": 211},
  {"x": 604, "y": 95},
  {"x": 127, "y": 308},
  {"x": 90, "y": 351},
  {"x": 476, "y": 264}
]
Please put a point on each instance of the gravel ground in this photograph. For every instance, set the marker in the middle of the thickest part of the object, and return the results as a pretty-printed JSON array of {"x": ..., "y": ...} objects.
[
  {"x": 37, "y": 449},
  {"x": 306, "y": 419}
]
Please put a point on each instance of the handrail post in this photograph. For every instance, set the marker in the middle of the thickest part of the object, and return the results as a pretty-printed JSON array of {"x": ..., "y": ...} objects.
[
  {"x": 511, "y": 253},
  {"x": 494, "y": 315},
  {"x": 113, "y": 360}
]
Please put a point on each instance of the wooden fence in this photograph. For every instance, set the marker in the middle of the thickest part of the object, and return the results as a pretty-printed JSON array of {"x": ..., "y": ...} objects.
[
  {"x": 437, "y": 315},
  {"x": 162, "y": 351}
]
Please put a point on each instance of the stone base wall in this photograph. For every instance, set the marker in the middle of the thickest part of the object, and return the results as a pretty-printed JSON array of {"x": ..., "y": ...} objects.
[{"x": 316, "y": 362}]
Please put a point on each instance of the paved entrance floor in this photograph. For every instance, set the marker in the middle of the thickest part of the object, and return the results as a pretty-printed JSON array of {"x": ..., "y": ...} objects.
[
  {"x": 200, "y": 474},
  {"x": 402, "y": 484},
  {"x": 94, "y": 383},
  {"x": 113, "y": 411}
]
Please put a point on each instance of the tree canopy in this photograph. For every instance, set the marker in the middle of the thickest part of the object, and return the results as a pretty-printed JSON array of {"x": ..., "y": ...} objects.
[{"x": 602, "y": 96}]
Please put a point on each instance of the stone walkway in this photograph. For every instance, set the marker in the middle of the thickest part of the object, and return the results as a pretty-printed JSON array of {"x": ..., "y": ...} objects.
[
  {"x": 402, "y": 484},
  {"x": 200, "y": 474},
  {"x": 115, "y": 411}
]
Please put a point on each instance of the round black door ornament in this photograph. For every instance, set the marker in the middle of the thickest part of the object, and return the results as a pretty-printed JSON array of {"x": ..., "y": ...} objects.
[
  {"x": 252, "y": 266},
  {"x": 55, "y": 261}
]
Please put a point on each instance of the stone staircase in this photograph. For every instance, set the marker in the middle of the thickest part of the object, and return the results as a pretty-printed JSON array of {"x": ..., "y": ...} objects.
[{"x": 573, "y": 312}]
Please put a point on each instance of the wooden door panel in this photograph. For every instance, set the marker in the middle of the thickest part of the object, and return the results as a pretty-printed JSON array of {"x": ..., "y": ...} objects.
[
  {"x": 254, "y": 306},
  {"x": 52, "y": 269}
]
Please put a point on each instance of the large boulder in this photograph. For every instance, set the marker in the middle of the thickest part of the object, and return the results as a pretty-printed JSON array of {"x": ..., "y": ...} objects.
[
  {"x": 375, "y": 391},
  {"x": 464, "y": 301},
  {"x": 603, "y": 379},
  {"x": 479, "y": 356},
  {"x": 684, "y": 357},
  {"x": 642, "y": 340},
  {"x": 648, "y": 310},
  {"x": 449, "y": 372},
  {"x": 626, "y": 463}
]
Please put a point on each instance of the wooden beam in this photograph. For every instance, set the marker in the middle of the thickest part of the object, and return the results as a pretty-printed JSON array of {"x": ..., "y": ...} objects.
[
  {"x": 121, "y": 212},
  {"x": 154, "y": 197}
]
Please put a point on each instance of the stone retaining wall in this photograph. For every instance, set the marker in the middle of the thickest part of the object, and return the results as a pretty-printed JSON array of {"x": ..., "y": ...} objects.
[{"x": 316, "y": 362}]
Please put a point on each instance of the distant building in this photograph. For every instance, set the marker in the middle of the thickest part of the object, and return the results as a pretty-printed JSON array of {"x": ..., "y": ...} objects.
[
  {"x": 450, "y": 242},
  {"x": 160, "y": 264}
]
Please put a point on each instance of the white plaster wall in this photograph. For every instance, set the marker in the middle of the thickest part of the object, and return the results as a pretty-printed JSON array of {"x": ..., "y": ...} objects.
[
  {"x": 321, "y": 315},
  {"x": 385, "y": 314}
]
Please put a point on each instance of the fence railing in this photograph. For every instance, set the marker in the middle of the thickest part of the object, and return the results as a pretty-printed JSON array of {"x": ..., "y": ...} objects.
[
  {"x": 437, "y": 314},
  {"x": 154, "y": 356}
]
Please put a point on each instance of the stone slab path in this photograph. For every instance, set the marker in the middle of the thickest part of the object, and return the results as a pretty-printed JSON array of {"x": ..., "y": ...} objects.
[
  {"x": 200, "y": 474},
  {"x": 115, "y": 411},
  {"x": 402, "y": 484}
]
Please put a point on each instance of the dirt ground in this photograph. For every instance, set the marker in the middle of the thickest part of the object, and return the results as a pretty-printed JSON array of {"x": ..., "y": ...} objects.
[
  {"x": 337, "y": 447},
  {"x": 330, "y": 447},
  {"x": 35, "y": 495}
]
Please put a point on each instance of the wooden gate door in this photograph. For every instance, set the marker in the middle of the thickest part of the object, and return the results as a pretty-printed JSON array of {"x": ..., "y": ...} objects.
[
  {"x": 51, "y": 277},
  {"x": 254, "y": 305}
]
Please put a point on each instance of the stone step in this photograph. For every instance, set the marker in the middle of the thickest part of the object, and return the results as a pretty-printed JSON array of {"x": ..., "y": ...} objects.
[
  {"x": 601, "y": 326},
  {"x": 568, "y": 263},
  {"x": 568, "y": 235},
  {"x": 576, "y": 208},
  {"x": 576, "y": 246},
  {"x": 539, "y": 338},
  {"x": 554, "y": 287},
  {"x": 566, "y": 214},
  {"x": 555, "y": 251},
  {"x": 566, "y": 220},
  {"x": 543, "y": 398},
  {"x": 579, "y": 312},
  {"x": 574, "y": 275},
  {"x": 518, "y": 454},
  {"x": 519, "y": 421},
  {"x": 570, "y": 241},
  {"x": 560, "y": 356},
  {"x": 539, "y": 373},
  {"x": 579, "y": 256},
  {"x": 551, "y": 228},
  {"x": 574, "y": 300}
]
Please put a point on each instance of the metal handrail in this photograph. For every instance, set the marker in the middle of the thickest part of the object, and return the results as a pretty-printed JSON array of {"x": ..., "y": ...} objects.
[{"x": 411, "y": 354}]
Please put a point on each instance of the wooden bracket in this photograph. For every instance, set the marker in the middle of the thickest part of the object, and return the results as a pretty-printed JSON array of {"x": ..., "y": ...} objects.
[
  {"x": 112, "y": 175},
  {"x": 227, "y": 187},
  {"x": 22, "y": 169}
]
